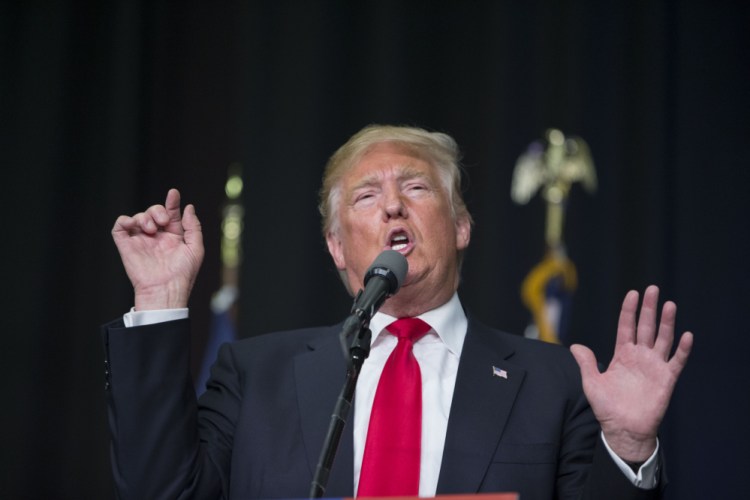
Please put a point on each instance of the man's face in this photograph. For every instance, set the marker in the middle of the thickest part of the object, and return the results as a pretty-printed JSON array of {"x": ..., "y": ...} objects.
[{"x": 394, "y": 200}]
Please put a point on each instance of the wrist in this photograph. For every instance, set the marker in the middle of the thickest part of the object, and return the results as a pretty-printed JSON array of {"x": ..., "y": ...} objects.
[
  {"x": 633, "y": 450},
  {"x": 168, "y": 296}
]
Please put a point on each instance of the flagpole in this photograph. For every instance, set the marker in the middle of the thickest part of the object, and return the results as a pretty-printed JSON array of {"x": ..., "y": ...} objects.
[
  {"x": 552, "y": 166},
  {"x": 224, "y": 300}
]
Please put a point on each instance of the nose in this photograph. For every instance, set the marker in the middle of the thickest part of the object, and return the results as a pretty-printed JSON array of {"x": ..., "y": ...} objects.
[{"x": 393, "y": 205}]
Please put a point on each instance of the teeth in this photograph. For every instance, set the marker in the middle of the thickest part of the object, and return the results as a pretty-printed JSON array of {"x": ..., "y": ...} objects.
[{"x": 399, "y": 242}]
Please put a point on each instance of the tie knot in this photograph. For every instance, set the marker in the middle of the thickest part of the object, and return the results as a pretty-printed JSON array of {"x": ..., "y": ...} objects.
[{"x": 408, "y": 328}]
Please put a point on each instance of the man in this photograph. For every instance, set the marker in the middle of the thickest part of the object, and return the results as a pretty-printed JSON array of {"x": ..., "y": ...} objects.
[{"x": 499, "y": 413}]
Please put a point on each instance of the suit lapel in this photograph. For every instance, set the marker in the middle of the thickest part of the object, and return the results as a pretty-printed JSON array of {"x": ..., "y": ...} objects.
[
  {"x": 320, "y": 375},
  {"x": 482, "y": 402}
]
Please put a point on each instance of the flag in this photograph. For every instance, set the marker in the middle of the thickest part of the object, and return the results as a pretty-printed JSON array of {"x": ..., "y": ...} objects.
[
  {"x": 552, "y": 166},
  {"x": 548, "y": 293},
  {"x": 222, "y": 330}
]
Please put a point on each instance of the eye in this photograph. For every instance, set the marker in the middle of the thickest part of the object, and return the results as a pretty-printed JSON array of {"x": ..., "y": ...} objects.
[
  {"x": 416, "y": 187},
  {"x": 364, "y": 197}
]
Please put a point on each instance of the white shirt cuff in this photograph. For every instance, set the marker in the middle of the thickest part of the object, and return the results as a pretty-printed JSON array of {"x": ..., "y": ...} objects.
[
  {"x": 646, "y": 478},
  {"x": 142, "y": 318}
]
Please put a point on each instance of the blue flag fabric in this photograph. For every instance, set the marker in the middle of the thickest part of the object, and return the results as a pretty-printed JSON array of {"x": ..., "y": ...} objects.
[{"x": 222, "y": 331}]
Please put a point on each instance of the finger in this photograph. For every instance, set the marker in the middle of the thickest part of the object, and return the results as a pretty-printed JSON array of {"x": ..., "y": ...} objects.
[
  {"x": 167, "y": 216},
  {"x": 586, "y": 361},
  {"x": 679, "y": 360},
  {"x": 144, "y": 221},
  {"x": 174, "y": 215},
  {"x": 159, "y": 215},
  {"x": 646, "y": 331},
  {"x": 665, "y": 338},
  {"x": 172, "y": 205},
  {"x": 123, "y": 224},
  {"x": 626, "y": 323}
]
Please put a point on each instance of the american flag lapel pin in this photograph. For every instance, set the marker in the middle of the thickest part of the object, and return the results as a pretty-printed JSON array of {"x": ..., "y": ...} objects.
[{"x": 499, "y": 372}]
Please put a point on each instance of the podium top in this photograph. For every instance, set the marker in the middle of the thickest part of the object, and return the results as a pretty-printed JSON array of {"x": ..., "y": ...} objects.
[{"x": 475, "y": 496}]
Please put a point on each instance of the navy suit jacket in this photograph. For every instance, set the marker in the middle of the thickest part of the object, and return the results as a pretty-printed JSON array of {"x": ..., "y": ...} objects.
[{"x": 258, "y": 430}]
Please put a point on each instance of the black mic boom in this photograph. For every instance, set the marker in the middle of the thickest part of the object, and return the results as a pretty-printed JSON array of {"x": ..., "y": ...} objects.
[{"x": 383, "y": 279}]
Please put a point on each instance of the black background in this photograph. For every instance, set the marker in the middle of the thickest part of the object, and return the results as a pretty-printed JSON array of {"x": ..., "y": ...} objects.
[{"x": 105, "y": 106}]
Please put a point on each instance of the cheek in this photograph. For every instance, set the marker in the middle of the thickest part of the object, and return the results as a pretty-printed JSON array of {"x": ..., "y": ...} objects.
[
  {"x": 359, "y": 225},
  {"x": 435, "y": 242},
  {"x": 440, "y": 225}
]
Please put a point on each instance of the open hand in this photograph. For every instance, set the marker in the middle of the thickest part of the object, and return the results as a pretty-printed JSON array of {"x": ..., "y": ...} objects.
[{"x": 630, "y": 398}]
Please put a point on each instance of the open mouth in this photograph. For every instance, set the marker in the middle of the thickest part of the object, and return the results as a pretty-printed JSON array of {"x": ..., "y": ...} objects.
[{"x": 399, "y": 241}]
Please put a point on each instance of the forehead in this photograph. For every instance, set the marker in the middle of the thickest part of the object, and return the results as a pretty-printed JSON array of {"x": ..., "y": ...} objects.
[{"x": 388, "y": 160}]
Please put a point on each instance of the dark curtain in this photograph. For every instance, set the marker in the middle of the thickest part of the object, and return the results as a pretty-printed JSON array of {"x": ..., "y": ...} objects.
[{"x": 105, "y": 106}]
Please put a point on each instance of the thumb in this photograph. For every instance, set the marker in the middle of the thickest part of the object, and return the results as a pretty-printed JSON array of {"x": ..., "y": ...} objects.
[
  {"x": 193, "y": 234},
  {"x": 586, "y": 360}
]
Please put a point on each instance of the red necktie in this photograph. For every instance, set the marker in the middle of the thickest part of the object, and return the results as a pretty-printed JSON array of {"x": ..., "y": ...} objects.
[{"x": 390, "y": 465}]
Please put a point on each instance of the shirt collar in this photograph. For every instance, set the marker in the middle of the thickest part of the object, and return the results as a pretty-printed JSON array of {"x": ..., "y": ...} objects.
[{"x": 447, "y": 321}]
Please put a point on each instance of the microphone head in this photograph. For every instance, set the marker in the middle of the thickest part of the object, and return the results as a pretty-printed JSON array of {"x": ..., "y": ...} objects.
[{"x": 390, "y": 265}]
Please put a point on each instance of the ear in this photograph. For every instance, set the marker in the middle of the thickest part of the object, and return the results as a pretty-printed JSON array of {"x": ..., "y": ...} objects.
[
  {"x": 463, "y": 232},
  {"x": 336, "y": 249}
]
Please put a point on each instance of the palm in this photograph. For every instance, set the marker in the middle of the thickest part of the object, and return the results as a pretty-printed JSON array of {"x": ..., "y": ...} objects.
[
  {"x": 617, "y": 395},
  {"x": 630, "y": 398}
]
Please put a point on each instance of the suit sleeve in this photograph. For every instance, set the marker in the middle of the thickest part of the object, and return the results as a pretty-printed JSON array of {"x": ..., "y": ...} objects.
[
  {"x": 606, "y": 480},
  {"x": 160, "y": 447},
  {"x": 603, "y": 479}
]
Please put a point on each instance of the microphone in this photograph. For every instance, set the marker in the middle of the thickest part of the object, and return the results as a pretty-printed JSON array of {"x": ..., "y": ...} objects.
[{"x": 382, "y": 280}]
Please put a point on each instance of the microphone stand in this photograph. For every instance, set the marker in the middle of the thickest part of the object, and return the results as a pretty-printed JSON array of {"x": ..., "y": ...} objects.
[
  {"x": 357, "y": 324},
  {"x": 383, "y": 279}
]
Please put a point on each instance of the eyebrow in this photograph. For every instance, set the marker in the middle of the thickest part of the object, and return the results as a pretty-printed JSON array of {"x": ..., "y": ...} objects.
[{"x": 408, "y": 172}]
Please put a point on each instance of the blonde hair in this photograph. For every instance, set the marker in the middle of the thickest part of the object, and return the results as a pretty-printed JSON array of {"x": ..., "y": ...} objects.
[{"x": 438, "y": 149}]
